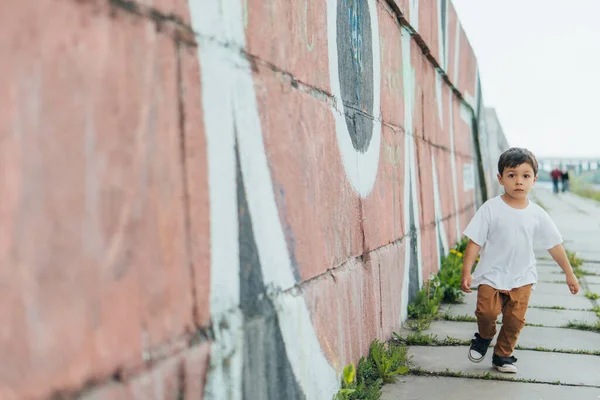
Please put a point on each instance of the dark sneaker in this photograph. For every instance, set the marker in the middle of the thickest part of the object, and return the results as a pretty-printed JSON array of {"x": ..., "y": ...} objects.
[
  {"x": 479, "y": 347},
  {"x": 505, "y": 364}
]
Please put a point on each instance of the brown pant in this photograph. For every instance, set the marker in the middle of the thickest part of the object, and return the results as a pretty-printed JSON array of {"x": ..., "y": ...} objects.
[{"x": 513, "y": 306}]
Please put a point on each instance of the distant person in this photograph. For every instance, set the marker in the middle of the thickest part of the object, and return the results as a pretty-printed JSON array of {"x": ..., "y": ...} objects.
[
  {"x": 556, "y": 175},
  {"x": 505, "y": 229},
  {"x": 565, "y": 180}
]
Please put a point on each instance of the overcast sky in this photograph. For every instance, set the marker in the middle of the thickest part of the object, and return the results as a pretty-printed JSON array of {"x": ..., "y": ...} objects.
[{"x": 539, "y": 64}]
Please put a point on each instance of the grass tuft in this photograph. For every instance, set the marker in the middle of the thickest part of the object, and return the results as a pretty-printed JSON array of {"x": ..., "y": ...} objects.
[{"x": 385, "y": 362}]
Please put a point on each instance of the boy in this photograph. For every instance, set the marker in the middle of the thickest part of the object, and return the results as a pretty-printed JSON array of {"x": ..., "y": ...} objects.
[{"x": 505, "y": 229}]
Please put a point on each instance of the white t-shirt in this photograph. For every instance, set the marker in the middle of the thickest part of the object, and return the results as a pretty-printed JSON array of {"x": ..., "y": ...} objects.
[{"x": 508, "y": 236}]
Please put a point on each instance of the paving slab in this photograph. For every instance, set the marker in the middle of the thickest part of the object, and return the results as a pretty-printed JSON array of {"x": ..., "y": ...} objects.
[
  {"x": 550, "y": 276},
  {"x": 547, "y": 264},
  {"x": 549, "y": 269},
  {"x": 565, "y": 300},
  {"x": 592, "y": 267},
  {"x": 592, "y": 279},
  {"x": 431, "y": 387},
  {"x": 573, "y": 369},
  {"x": 559, "y": 289},
  {"x": 588, "y": 255},
  {"x": 593, "y": 287},
  {"x": 535, "y": 316},
  {"x": 530, "y": 337}
]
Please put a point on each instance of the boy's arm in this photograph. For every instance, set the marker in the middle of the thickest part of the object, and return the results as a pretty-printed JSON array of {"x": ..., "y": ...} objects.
[
  {"x": 471, "y": 253},
  {"x": 560, "y": 256}
]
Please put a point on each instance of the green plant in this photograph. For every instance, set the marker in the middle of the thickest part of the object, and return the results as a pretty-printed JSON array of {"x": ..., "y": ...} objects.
[
  {"x": 428, "y": 300},
  {"x": 361, "y": 383},
  {"x": 459, "y": 318},
  {"x": 420, "y": 339},
  {"x": 390, "y": 360},
  {"x": 549, "y": 307},
  {"x": 367, "y": 373},
  {"x": 583, "y": 326},
  {"x": 348, "y": 383},
  {"x": 573, "y": 259},
  {"x": 450, "y": 277},
  {"x": 419, "y": 324},
  {"x": 417, "y": 339},
  {"x": 425, "y": 306},
  {"x": 384, "y": 363},
  {"x": 592, "y": 295}
]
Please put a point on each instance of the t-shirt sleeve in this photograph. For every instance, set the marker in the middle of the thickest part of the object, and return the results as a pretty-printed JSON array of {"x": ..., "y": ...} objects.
[
  {"x": 547, "y": 234},
  {"x": 479, "y": 227}
]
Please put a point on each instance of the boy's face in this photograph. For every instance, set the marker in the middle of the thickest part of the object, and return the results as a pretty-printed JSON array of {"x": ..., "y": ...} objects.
[{"x": 518, "y": 181}]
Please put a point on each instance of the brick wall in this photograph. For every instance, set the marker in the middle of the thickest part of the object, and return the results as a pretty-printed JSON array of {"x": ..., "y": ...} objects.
[{"x": 229, "y": 199}]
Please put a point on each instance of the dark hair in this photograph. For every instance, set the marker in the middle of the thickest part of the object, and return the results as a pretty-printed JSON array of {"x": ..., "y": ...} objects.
[{"x": 516, "y": 156}]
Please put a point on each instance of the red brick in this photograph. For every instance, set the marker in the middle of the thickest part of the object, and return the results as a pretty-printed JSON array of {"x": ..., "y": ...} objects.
[
  {"x": 391, "y": 277},
  {"x": 92, "y": 232},
  {"x": 196, "y": 369},
  {"x": 300, "y": 29},
  {"x": 317, "y": 206},
  {"x": 197, "y": 180},
  {"x": 392, "y": 80},
  {"x": 163, "y": 382},
  {"x": 345, "y": 310}
]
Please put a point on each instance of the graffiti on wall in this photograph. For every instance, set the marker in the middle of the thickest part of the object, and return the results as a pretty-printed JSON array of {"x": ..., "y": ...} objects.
[
  {"x": 327, "y": 166},
  {"x": 257, "y": 304}
]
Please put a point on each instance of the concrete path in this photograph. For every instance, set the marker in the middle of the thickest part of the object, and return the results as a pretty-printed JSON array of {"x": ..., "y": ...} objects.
[{"x": 555, "y": 362}]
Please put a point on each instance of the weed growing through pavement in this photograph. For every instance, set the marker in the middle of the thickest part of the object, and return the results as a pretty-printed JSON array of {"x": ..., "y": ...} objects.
[
  {"x": 445, "y": 287},
  {"x": 459, "y": 318},
  {"x": 549, "y": 307},
  {"x": 484, "y": 376},
  {"x": 583, "y": 326},
  {"x": 576, "y": 263},
  {"x": 385, "y": 362},
  {"x": 592, "y": 295},
  {"x": 421, "y": 339}
]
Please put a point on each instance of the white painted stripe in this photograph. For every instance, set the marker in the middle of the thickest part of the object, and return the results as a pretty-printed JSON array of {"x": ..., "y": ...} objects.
[
  {"x": 438, "y": 95},
  {"x": 414, "y": 14},
  {"x": 219, "y": 20},
  {"x": 442, "y": 57},
  {"x": 451, "y": 105},
  {"x": 228, "y": 92},
  {"x": 215, "y": 19},
  {"x": 408, "y": 74},
  {"x": 443, "y": 43},
  {"x": 453, "y": 165},
  {"x": 222, "y": 383},
  {"x": 456, "y": 53},
  {"x": 312, "y": 370},
  {"x": 439, "y": 223},
  {"x": 416, "y": 213},
  {"x": 361, "y": 168}
]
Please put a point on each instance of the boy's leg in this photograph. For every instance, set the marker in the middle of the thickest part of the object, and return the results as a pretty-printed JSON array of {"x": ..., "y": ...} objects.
[
  {"x": 489, "y": 306},
  {"x": 513, "y": 320}
]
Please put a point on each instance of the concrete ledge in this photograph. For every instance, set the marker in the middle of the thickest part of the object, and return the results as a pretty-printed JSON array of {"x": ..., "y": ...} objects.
[
  {"x": 428, "y": 387},
  {"x": 543, "y": 367}
]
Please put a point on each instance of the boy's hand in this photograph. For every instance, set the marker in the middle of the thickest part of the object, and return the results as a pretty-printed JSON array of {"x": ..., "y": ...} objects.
[
  {"x": 573, "y": 283},
  {"x": 466, "y": 283}
]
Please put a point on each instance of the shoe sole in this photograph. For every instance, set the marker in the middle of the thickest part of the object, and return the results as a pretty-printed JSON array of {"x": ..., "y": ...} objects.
[
  {"x": 475, "y": 360},
  {"x": 507, "y": 370}
]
